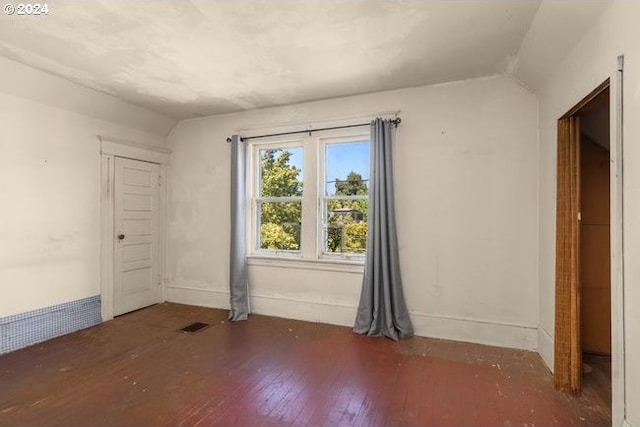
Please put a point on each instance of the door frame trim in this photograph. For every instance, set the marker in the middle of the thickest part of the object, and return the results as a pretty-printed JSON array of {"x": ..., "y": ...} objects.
[
  {"x": 110, "y": 148},
  {"x": 618, "y": 357}
]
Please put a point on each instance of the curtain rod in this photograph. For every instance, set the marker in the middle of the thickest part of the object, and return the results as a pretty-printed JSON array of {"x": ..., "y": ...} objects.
[{"x": 395, "y": 121}]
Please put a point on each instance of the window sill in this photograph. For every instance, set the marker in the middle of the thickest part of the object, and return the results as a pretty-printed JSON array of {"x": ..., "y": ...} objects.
[{"x": 337, "y": 265}]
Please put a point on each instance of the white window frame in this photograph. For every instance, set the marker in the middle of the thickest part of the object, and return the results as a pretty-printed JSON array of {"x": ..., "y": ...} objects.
[
  {"x": 322, "y": 197},
  {"x": 256, "y": 199},
  {"x": 313, "y": 195}
]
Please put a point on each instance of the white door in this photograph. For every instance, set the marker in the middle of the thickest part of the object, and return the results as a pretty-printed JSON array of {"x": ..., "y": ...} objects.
[{"x": 136, "y": 226}]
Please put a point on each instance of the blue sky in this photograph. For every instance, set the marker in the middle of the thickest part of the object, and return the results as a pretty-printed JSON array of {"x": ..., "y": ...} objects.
[{"x": 342, "y": 158}]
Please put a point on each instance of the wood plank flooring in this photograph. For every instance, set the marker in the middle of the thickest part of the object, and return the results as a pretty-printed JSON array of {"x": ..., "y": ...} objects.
[
  {"x": 138, "y": 370},
  {"x": 596, "y": 380}
]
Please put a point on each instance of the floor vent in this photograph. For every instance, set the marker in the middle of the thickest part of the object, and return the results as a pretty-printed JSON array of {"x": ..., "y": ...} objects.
[{"x": 195, "y": 327}]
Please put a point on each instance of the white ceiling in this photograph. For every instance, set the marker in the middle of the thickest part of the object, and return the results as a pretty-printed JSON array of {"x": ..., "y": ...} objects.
[{"x": 187, "y": 58}]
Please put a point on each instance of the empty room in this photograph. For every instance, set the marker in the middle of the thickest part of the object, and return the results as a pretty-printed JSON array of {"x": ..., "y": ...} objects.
[{"x": 320, "y": 213}]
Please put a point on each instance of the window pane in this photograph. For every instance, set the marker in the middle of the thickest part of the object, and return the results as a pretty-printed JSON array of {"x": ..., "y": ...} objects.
[
  {"x": 280, "y": 225},
  {"x": 347, "y": 168},
  {"x": 281, "y": 172},
  {"x": 346, "y": 229}
]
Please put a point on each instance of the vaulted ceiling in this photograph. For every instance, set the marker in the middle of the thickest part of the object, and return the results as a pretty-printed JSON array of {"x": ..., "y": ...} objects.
[{"x": 189, "y": 58}]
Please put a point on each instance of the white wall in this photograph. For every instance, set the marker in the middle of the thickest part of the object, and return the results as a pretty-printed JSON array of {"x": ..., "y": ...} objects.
[
  {"x": 592, "y": 61},
  {"x": 466, "y": 206},
  {"x": 50, "y": 183}
]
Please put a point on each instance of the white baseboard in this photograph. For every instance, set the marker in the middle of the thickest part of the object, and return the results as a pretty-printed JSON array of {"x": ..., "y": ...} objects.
[
  {"x": 312, "y": 311},
  {"x": 545, "y": 347},
  {"x": 288, "y": 308},
  {"x": 199, "y": 297},
  {"x": 427, "y": 325},
  {"x": 488, "y": 332}
]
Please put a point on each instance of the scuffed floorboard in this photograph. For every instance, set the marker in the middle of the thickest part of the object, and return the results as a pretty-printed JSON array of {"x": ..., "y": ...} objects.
[{"x": 137, "y": 370}]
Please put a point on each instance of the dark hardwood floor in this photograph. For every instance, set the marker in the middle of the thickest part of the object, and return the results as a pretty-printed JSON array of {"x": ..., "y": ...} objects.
[
  {"x": 596, "y": 380},
  {"x": 137, "y": 370}
]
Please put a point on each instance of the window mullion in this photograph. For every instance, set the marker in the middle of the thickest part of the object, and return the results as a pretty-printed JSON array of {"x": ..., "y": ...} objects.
[{"x": 309, "y": 197}]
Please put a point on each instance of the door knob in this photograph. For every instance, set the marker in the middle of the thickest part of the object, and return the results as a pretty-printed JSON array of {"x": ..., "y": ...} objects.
[{"x": 120, "y": 236}]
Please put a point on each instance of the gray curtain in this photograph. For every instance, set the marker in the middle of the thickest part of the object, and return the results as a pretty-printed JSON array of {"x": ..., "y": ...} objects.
[
  {"x": 238, "y": 280},
  {"x": 382, "y": 310}
]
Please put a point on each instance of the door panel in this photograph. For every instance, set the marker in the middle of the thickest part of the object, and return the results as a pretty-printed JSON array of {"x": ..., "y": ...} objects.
[
  {"x": 138, "y": 252},
  {"x": 136, "y": 217},
  {"x": 137, "y": 202},
  {"x": 137, "y": 280},
  {"x": 139, "y": 177},
  {"x": 137, "y": 227}
]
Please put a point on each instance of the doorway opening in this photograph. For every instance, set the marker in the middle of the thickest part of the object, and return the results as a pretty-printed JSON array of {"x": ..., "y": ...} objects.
[
  {"x": 595, "y": 248},
  {"x": 583, "y": 249}
]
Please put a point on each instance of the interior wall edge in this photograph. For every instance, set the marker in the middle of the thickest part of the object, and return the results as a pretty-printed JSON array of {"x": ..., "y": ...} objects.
[{"x": 545, "y": 347}]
